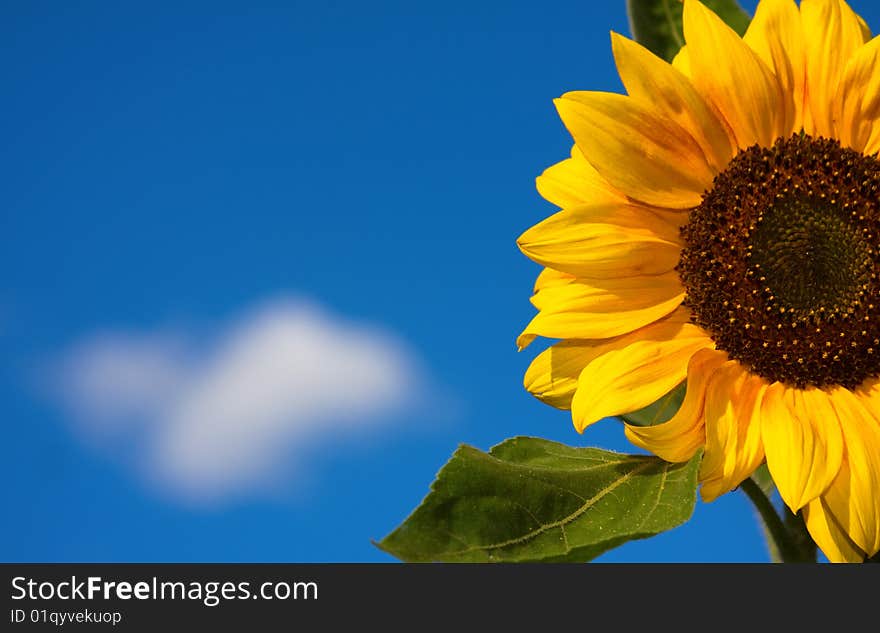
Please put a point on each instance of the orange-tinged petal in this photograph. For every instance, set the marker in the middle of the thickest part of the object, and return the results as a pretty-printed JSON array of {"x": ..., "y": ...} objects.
[
  {"x": 733, "y": 429},
  {"x": 636, "y": 148},
  {"x": 602, "y": 308},
  {"x": 869, "y": 395},
  {"x": 802, "y": 440},
  {"x": 857, "y": 104},
  {"x": 873, "y": 144},
  {"x": 735, "y": 79},
  {"x": 828, "y": 535},
  {"x": 863, "y": 26},
  {"x": 602, "y": 241},
  {"x": 832, "y": 32},
  {"x": 575, "y": 182},
  {"x": 653, "y": 81},
  {"x": 777, "y": 36},
  {"x": 677, "y": 439},
  {"x": 636, "y": 370}
]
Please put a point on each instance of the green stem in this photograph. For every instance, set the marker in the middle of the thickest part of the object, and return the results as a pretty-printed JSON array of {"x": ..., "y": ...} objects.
[
  {"x": 788, "y": 550},
  {"x": 804, "y": 543}
]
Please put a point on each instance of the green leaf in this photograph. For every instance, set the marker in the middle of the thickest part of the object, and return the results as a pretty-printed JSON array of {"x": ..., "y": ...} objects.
[
  {"x": 656, "y": 24},
  {"x": 531, "y": 499},
  {"x": 659, "y": 412}
]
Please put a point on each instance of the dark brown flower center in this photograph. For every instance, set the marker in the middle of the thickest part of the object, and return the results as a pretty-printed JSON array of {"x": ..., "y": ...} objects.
[{"x": 781, "y": 262}]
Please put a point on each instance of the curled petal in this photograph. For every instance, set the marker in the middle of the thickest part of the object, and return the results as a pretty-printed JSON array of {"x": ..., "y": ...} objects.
[
  {"x": 636, "y": 370},
  {"x": 679, "y": 438},
  {"x": 733, "y": 429}
]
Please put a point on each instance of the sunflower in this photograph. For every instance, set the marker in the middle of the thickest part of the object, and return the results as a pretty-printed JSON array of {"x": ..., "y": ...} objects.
[{"x": 720, "y": 228}]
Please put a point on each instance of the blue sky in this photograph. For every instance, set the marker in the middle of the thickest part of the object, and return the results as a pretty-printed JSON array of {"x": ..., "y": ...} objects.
[{"x": 192, "y": 188}]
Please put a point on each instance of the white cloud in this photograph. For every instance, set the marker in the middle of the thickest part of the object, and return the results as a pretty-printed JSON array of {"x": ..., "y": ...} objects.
[
  {"x": 116, "y": 378},
  {"x": 221, "y": 419}
]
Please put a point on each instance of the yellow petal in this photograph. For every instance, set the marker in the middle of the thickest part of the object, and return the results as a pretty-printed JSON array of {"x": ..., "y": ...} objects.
[
  {"x": 869, "y": 395},
  {"x": 682, "y": 62},
  {"x": 733, "y": 429},
  {"x": 866, "y": 30},
  {"x": 802, "y": 440},
  {"x": 636, "y": 370},
  {"x": 828, "y": 535},
  {"x": 873, "y": 144},
  {"x": 777, "y": 36},
  {"x": 857, "y": 104},
  {"x": 677, "y": 439},
  {"x": 549, "y": 278},
  {"x": 853, "y": 496},
  {"x": 636, "y": 148},
  {"x": 602, "y": 308},
  {"x": 575, "y": 182},
  {"x": 832, "y": 33},
  {"x": 653, "y": 81},
  {"x": 735, "y": 79},
  {"x": 552, "y": 376},
  {"x": 602, "y": 241}
]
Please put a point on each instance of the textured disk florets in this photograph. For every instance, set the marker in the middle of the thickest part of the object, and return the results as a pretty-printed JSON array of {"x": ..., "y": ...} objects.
[{"x": 781, "y": 262}]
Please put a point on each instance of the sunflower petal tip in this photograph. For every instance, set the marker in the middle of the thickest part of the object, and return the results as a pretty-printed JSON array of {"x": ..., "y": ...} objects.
[
  {"x": 524, "y": 340},
  {"x": 565, "y": 99},
  {"x": 618, "y": 38},
  {"x": 708, "y": 494}
]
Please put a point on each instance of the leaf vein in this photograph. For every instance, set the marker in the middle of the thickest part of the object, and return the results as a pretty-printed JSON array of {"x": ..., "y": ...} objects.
[
  {"x": 583, "y": 469},
  {"x": 660, "y": 490},
  {"x": 672, "y": 26},
  {"x": 588, "y": 503}
]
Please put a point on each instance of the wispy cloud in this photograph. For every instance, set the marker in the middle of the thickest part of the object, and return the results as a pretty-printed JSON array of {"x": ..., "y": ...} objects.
[{"x": 223, "y": 416}]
